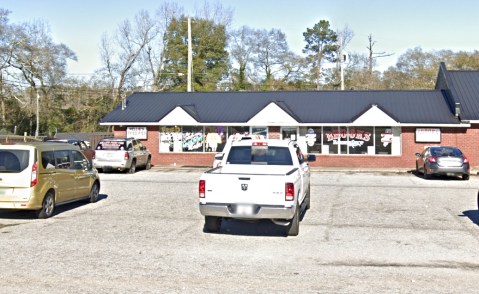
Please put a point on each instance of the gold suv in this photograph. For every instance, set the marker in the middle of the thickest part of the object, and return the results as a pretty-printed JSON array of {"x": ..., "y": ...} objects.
[{"x": 41, "y": 175}]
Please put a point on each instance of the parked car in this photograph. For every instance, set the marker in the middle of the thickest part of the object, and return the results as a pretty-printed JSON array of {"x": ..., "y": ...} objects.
[
  {"x": 442, "y": 160},
  {"x": 39, "y": 176},
  {"x": 121, "y": 154},
  {"x": 83, "y": 145}
]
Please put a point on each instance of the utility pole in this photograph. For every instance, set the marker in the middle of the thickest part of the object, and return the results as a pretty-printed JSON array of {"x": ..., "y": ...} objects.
[
  {"x": 341, "y": 60},
  {"x": 38, "y": 115},
  {"x": 190, "y": 57}
]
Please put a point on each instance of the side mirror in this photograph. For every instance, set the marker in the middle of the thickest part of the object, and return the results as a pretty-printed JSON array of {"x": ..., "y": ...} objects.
[
  {"x": 418, "y": 155},
  {"x": 311, "y": 157},
  {"x": 219, "y": 156}
]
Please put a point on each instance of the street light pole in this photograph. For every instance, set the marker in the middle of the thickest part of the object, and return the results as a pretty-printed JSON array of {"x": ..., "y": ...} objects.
[{"x": 37, "y": 115}]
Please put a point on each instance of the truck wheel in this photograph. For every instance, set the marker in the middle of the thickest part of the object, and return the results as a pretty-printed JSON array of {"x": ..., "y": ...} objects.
[
  {"x": 48, "y": 206},
  {"x": 293, "y": 227},
  {"x": 212, "y": 224},
  {"x": 132, "y": 168}
]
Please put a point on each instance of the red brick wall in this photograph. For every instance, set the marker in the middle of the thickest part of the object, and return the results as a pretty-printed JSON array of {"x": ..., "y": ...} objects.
[{"x": 464, "y": 138}]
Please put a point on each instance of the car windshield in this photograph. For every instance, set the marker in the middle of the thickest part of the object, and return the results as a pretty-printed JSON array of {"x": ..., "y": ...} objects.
[
  {"x": 14, "y": 161},
  {"x": 445, "y": 151},
  {"x": 259, "y": 155}
]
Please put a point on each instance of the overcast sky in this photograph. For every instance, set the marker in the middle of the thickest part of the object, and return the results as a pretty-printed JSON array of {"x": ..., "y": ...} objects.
[{"x": 395, "y": 25}]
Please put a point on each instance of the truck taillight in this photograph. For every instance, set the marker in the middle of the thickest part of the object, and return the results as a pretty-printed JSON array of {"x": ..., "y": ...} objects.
[
  {"x": 289, "y": 192},
  {"x": 127, "y": 156},
  {"x": 34, "y": 175},
  {"x": 260, "y": 144},
  {"x": 202, "y": 188}
]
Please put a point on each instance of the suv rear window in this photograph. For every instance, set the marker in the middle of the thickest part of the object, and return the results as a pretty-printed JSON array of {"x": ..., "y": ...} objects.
[
  {"x": 111, "y": 145},
  {"x": 14, "y": 161}
]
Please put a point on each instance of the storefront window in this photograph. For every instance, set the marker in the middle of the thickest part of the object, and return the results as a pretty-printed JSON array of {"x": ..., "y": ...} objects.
[
  {"x": 313, "y": 139},
  {"x": 215, "y": 139},
  {"x": 343, "y": 140},
  {"x": 170, "y": 139},
  {"x": 289, "y": 133},
  {"x": 240, "y": 130},
  {"x": 383, "y": 139},
  {"x": 262, "y": 131},
  {"x": 193, "y": 139},
  {"x": 330, "y": 140},
  {"x": 360, "y": 140}
]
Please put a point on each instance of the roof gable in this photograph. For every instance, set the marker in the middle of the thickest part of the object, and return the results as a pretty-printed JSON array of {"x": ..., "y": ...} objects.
[
  {"x": 272, "y": 114},
  {"x": 178, "y": 116},
  {"x": 374, "y": 116}
]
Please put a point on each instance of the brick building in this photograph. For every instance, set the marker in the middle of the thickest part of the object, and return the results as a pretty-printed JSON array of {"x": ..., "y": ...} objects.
[{"x": 343, "y": 128}]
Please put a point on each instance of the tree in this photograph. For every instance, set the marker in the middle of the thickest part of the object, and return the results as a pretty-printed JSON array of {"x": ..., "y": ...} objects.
[
  {"x": 321, "y": 43},
  {"x": 210, "y": 58},
  {"x": 41, "y": 63},
  {"x": 241, "y": 49},
  {"x": 120, "y": 52},
  {"x": 270, "y": 53}
]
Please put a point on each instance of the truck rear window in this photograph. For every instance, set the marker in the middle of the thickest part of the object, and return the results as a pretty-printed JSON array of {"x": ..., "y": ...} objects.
[
  {"x": 14, "y": 161},
  {"x": 267, "y": 155}
]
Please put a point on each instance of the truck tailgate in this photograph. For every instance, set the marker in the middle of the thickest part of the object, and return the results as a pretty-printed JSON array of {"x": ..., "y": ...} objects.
[{"x": 247, "y": 185}]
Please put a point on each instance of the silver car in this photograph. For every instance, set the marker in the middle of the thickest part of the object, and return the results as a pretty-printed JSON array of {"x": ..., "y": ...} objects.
[{"x": 442, "y": 160}]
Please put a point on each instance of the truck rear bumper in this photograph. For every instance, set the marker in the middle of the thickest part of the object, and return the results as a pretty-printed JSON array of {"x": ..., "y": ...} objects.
[{"x": 258, "y": 211}]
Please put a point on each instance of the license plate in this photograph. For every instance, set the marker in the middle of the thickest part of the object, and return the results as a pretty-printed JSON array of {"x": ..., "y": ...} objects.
[{"x": 244, "y": 209}]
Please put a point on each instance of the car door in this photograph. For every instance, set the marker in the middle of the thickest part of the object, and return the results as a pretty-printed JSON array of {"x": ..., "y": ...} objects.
[
  {"x": 82, "y": 177},
  {"x": 422, "y": 159},
  {"x": 140, "y": 152},
  {"x": 64, "y": 176}
]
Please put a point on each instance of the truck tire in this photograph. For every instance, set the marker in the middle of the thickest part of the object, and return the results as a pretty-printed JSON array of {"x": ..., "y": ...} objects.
[
  {"x": 132, "y": 168},
  {"x": 212, "y": 224},
  {"x": 293, "y": 227}
]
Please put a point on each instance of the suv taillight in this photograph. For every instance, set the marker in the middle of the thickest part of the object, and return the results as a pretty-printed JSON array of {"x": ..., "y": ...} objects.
[
  {"x": 127, "y": 156},
  {"x": 202, "y": 188},
  {"x": 93, "y": 155},
  {"x": 289, "y": 192},
  {"x": 34, "y": 179}
]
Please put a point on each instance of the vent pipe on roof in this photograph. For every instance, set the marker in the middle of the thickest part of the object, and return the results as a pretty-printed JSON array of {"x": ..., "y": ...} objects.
[
  {"x": 123, "y": 103},
  {"x": 457, "y": 110}
]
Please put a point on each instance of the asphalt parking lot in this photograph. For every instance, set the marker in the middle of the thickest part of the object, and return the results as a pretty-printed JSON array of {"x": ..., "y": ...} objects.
[{"x": 365, "y": 232}]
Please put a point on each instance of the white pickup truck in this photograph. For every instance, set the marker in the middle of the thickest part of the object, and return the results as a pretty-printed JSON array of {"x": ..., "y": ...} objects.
[{"x": 257, "y": 179}]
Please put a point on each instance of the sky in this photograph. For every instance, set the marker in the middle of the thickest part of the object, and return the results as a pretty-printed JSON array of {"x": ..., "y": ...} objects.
[{"x": 395, "y": 26}]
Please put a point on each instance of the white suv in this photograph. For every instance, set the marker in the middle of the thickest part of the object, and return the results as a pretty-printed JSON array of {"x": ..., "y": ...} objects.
[{"x": 121, "y": 154}]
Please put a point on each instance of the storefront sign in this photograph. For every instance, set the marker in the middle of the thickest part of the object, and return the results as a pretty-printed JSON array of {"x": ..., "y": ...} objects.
[
  {"x": 137, "y": 133},
  {"x": 356, "y": 134},
  {"x": 429, "y": 135}
]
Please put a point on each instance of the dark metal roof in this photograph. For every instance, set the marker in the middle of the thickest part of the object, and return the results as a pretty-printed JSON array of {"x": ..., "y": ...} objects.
[
  {"x": 339, "y": 107},
  {"x": 465, "y": 88}
]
